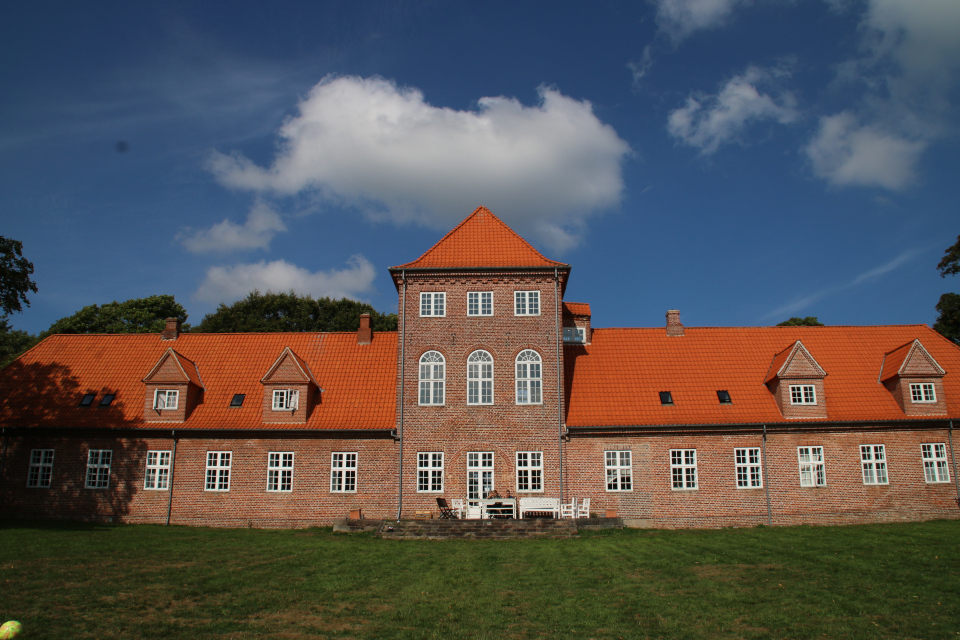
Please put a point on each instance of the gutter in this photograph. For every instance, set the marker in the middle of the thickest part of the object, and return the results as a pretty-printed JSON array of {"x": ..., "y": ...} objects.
[{"x": 759, "y": 426}]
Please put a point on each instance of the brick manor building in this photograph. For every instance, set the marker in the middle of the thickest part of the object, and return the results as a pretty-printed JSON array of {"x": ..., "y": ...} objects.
[{"x": 493, "y": 380}]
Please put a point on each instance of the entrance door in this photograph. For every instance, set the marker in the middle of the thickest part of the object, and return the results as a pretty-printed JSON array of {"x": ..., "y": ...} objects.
[{"x": 479, "y": 474}]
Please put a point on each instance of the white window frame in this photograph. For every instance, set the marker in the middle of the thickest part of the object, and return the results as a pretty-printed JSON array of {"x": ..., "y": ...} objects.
[
  {"x": 433, "y": 376},
  {"x": 813, "y": 470},
  {"x": 749, "y": 467},
  {"x": 923, "y": 393},
  {"x": 285, "y": 400},
  {"x": 529, "y": 377},
  {"x": 619, "y": 470},
  {"x": 480, "y": 474},
  {"x": 157, "y": 474},
  {"x": 429, "y": 472},
  {"x": 166, "y": 399},
  {"x": 935, "y": 467},
  {"x": 574, "y": 335},
  {"x": 98, "y": 468},
  {"x": 480, "y": 378},
  {"x": 683, "y": 469},
  {"x": 803, "y": 394},
  {"x": 343, "y": 472},
  {"x": 529, "y": 471},
  {"x": 219, "y": 465},
  {"x": 280, "y": 471},
  {"x": 41, "y": 468},
  {"x": 873, "y": 461},
  {"x": 480, "y": 303},
  {"x": 526, "y": 303},
  {"x": 433, "y": 304}
]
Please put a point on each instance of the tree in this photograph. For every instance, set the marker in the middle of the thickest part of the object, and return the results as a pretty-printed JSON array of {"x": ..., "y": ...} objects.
[
  {"x": 271, "y": 312},
  {"x": 15, "y": 279},
  {"x": 948, "y": 322},
  {"x": 138, "y": 315},
  {"x": 13, "y": 342},
  {"x": 809, "y": 321},
  {"x": 949, "y": 264}
]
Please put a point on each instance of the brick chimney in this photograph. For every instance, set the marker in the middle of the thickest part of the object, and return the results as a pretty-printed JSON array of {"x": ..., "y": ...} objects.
[
  {"x": 172, "y": 330},
  {"x": 364, "y": 333},
  {"x": 674, "y": 328}
]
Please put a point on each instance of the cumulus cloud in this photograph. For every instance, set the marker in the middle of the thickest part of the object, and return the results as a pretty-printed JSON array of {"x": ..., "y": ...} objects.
[
  {"x": 680, "y": 18},
  {"x": 384, "y": 150},
  {"x": 262, "y": 224},
  {"x": 226, "y": 284},
  {"x": 708, "y": 121}
]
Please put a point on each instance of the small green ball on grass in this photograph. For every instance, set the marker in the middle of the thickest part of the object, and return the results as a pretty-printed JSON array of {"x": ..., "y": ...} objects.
[{"x": 10, "y": 629}]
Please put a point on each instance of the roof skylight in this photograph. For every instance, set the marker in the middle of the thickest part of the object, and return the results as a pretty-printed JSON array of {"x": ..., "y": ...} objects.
[
  {"x": 238, "y": 399},
  {"x": 666, "y": 397},
  {"x": 87, "y": 399},
  {"x": 107, "y": 399},
  {"x": 724, "y": 397}
]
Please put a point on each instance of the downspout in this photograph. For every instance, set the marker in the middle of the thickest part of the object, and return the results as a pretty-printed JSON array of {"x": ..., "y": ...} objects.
[
  {"x": 403, "y": 370},
  {"x": 173, "y": 464},
  {"x": 556, "y": 305},
  {"x": 953, "y": 460},
  {"x": 3, "y": 458},
  {"x": 766, "y": 478}
]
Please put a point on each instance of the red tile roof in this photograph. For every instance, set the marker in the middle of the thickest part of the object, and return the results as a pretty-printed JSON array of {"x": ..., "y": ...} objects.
[
  {"x": 576, "y": 308},
  {"x": 44, "y": 386},
  {"x": 481, "y": 240},
  {"x": 614, "y": 381}
]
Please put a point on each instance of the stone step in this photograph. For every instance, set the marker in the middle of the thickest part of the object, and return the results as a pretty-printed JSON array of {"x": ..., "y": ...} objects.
[{"x": 496, "y": 529}]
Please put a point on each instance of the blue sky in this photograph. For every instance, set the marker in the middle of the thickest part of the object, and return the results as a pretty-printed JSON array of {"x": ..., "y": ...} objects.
[{"x": 743, "y": 161}]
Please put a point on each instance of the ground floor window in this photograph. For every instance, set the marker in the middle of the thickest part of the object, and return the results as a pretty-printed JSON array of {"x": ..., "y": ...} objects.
[
  {"x": 812, "y": 473},
  {"x": 157, "y": 476},
  {"x": 479, "y": 474},
  {"x": 430, "y": 472},
  {"x": 935, "y": 467},
  {"x": 873, "y": 459},
  {"x": 41, "y": 468},
  {"x": 683, "y": 468},
  {"x": 218, "y": 471},
  {"x": 280, "y": 471},
  {"x": 343, "y": 472},
  {"x": 748, "y": 468},
  {"x": 98, "y": 468},
  {"x": 619, "y": 468},
  {"x": 529, "y": 471}
]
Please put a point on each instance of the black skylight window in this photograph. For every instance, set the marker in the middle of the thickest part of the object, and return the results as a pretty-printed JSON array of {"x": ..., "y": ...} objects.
[
  {"x": 107, "y": 399},
  {"x": 87, "y": 399},
  {"x": 238, "y": 399},
  {"x": 666, "y": 397},
  {"x": 724, "y": 397}
]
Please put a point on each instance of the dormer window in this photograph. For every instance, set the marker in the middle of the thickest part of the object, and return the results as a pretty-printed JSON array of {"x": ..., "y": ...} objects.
[
  {"x": 87, "y": 399},
  {"x": 107, "y": 399},
  {"x": 666, "y": 397},
  {"x": 922, "y": 392},
  {"x": 166, "y": 399},
  {"x": 285, "y": 399},
  {"x": 724, "y": 397},
  {"x": 803, "y": 394},
  {"x": 573, "y": 334}
]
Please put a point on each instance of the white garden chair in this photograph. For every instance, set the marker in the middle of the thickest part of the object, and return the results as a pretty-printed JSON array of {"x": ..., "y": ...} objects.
[
  {"x": 583, "y": 511},
  {"x": 569, "y": 509},
  {"x": 458, "y": 507}
]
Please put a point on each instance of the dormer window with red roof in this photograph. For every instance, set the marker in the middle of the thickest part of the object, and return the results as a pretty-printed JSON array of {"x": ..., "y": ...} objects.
[
  {"x": 287, "y": 381},
  {"x": 796, "y": 381},
  {"x": 173, "y": 389},
  {"x": 803, "y": 394},
  {"x": 923, "y": 392},
  {"x": 166, "y": 399},
  {"x": 914, "y": 379},
  {"x": 286, "y": 399}
]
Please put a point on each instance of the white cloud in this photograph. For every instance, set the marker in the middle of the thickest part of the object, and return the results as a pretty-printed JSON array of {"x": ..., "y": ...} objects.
[
  {"x": 845, "y": 153},
  {"x": 680, "y": 18},
  {"x": 385, "y": 151},
  {"x": 709, "y": 121},
  {"x": 262, "y": 224},
  {"x": 226, "y": 284}
]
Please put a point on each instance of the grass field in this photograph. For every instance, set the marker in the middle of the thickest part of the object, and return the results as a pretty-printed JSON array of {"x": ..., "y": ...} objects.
[{"x": 89, "y": 581}]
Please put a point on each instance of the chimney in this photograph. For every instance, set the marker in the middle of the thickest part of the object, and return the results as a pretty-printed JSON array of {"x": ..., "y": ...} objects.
[
  {"x": 674, "y": 328},
  {"x": 365, "y": 333},
  {"x": 172, "y": 330}
]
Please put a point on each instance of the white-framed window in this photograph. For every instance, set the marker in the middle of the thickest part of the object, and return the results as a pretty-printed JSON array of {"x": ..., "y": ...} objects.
[
  {"x": 529, "y": 471},
  {"x": 433, "y": 303},
  {"x": 803, "y": 394},
  {"x": 285, "y": 400},
  {"x": 343, "y": 472},
  {"x": 280, "y": 471},
  {"x": 873, "y": 459},
  {"x": 526, "y": 303},
  {"x": 479, "y": 474},
  {"x": 619, "y": 468},
  {"x": 747, "y": 461},
  {"x": 432, "y": 378},
  {"x": 41, "y": 468},
  {"x": 166, "y": 399},
  {"x": 812, "y": 470},
  {"x": 218, "y": 471},
  {"x": 480, "y": 303},
  {"x": 573, "y": 334},
  {"x": 922, "y": 392},
  {"x": 480, "y": 378},
  {"x": 98, "y": 468},
  {"x": 683, "y": 468},
  {"x": 157, "y": 477},
  {"x": 935, "y": 467},
  {"x": 430, "y": 472},
  {"x": 529, "y": 374}
]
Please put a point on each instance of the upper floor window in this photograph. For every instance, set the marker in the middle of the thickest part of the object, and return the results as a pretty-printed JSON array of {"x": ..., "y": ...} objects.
[
  {"x": 480, "y": 303},
  {"x": 480, "y": 378},
  {"x": 803, "y": 394},
  {"x": 526, "y": 303},
  {"x": 285, "y": 399},
  {"x": 573, "y": 334},
  {"x": 432, "y": 378},
  {"x": 433, "y": 303},
  {"x": 922, "y": 392},
  {"x": 529, "y": 378},
  {"x": 166, "y": 399}
]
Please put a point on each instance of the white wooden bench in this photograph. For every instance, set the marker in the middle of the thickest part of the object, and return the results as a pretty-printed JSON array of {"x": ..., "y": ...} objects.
[{"x": 539, "y": 505}]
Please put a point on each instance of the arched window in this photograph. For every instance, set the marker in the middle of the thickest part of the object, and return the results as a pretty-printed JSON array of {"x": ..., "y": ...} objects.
[
  {"x": 480, "y": 378},
  {"x": 432, "y": 377},
  {"x": 529, "y": 377}
]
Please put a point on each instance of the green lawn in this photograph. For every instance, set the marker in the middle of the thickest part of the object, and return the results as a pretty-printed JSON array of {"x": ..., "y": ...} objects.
[{"x": 88, "y": 581}]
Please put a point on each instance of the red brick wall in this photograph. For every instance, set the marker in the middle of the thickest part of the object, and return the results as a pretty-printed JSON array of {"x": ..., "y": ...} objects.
[
  {"x": 781, "y": 393},
  {"x": 900, "y": 389}
]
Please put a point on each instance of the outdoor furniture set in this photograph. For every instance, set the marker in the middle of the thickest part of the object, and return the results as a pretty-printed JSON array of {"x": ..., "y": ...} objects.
[{"x": 497, "y": 507}]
